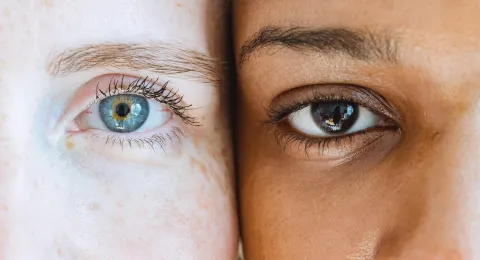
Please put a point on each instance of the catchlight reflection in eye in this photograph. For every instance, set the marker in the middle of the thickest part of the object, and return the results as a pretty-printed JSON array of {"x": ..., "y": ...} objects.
[
  {"x": 128, "y": 111},
  {"x": 332, "y": 119},
  {"x": 124, "y": 113}
]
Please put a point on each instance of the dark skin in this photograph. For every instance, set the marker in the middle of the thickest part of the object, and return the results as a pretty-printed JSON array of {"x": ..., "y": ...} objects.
[{"x": 405, "y": 185}]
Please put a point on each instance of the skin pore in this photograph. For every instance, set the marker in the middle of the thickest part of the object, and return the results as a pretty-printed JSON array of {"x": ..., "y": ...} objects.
[
  {"x": 71, "y": 188},
  {"x": 402, "y": 186}
]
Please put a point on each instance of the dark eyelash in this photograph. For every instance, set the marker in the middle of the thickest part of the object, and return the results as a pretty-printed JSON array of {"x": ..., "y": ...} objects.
[
  {"x": 146, "y": 88},
  {"x": 286, "y": 136},
  {"x": 277, "y": 114}
]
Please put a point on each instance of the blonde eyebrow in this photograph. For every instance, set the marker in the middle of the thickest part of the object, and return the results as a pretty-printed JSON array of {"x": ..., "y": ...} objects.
[{"x": 158, "y": 57}]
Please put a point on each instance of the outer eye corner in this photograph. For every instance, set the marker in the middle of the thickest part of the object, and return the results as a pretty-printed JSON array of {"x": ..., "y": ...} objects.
[
  {"x": 334, "y": 120},
  {"x": 139, "y": 114}
]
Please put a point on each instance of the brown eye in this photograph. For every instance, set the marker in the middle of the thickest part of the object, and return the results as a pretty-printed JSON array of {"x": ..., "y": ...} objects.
[{"x": 334, "y": 117}]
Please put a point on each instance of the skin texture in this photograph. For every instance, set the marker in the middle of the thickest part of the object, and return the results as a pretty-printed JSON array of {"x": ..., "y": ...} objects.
[
  {"x": 412, "y": 196},
  {"x": 68, "y": 193}
]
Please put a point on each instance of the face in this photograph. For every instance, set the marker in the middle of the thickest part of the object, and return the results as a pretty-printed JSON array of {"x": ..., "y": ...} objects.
[
  {"x": 113, "y": 131},
  {"x": 359, "y": 128}
]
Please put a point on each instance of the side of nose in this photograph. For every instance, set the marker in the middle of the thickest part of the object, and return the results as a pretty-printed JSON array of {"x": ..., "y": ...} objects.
[{"x": 17, "y": 148}]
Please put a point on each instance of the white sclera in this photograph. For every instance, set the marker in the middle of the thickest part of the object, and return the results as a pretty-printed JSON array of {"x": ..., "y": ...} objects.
[
  {"x": 303, "y": 122},
  {"x": 158, "y": 115}
]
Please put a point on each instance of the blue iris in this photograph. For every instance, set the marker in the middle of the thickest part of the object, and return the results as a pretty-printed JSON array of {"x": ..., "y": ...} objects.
[{"x": 124, "y": 113}]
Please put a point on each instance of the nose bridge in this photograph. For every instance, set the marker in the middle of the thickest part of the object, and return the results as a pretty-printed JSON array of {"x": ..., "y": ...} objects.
[
  {"x": 8, "y": 163},
  {"x": 16, "y": 114},
  {"x": 12, "y": 125},
  {"x": 448, "y": 226}
]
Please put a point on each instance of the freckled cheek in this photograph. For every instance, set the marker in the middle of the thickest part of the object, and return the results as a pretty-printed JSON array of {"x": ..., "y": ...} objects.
[
  {"x": 69, "y": 144},
  {"x": 213, "y": 160},
  {"x": 214, "y": 170},
  {"x": 215, "y": 199}
]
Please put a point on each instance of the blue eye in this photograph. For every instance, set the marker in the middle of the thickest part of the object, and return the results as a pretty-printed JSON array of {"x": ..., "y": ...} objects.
[{"x": 124, "y": 113}]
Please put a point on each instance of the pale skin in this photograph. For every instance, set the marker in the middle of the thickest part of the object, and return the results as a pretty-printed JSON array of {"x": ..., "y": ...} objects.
[
  {"x": 410, "y": 194},
  {"x": 70, "y": 189}
]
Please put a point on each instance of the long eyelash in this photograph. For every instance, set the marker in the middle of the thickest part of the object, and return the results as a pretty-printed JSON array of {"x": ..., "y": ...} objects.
[
  {"x": 279, "y": 113},
  {"x": 146, "y": 88},
  {"x": 157, "y": 141},
  {"x": 286, "y": 136}
]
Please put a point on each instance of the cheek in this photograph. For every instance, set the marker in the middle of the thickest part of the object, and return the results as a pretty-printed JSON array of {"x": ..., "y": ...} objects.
[
  {"x": 211, "y": 163},
  {"x": 136, "y": 210},
  {"x": 79, "y": 207}
]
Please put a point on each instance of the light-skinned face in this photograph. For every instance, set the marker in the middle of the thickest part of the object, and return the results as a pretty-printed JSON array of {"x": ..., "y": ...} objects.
[
  {"x": 359, "y": 128},
  {"x": 114, "y": 142}
]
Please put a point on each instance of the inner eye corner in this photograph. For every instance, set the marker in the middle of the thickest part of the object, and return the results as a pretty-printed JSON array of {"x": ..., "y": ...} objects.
[{"x": 82, "y": 117}]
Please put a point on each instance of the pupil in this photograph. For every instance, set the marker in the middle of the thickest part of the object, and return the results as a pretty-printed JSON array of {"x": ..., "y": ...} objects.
[
  {"x": 122, "y": 110},
  {"x": 335, "y": 117}
]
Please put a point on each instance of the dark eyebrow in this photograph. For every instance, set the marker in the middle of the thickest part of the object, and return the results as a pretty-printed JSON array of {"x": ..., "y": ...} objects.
[
  {"x": 158, "y": 57},
  {"x": 362, "y": 45}
]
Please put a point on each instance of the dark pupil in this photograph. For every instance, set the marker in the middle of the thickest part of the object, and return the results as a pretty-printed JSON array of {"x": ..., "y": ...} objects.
[
  {"x": 122, "y": 110},
  {"x": 335, "y": 117}
]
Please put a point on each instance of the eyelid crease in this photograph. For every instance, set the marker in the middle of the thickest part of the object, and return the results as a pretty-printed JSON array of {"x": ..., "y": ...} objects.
[
  {"x": 298, "y": 98},
  {"x": 168, "y": 135},
  {"x": 85, "y": 97}
]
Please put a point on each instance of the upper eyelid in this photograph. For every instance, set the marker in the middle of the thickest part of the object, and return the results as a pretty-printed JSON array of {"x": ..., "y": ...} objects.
[
  {"x": 119, "y": 87},
  {"x": 158, "y": 57},
  {"x": 312, "y": 93},
  {"x": 85, "y": 97},
  {"x": 148, "y": 89}
]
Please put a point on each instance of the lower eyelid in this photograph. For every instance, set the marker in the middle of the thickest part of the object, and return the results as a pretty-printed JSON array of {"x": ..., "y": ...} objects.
[
  {"x": 122, "y": 146},
  {"x": 166, "y": 139},
  {"x": 92, "y": 149},
  {"x": 330, "y": 148}
]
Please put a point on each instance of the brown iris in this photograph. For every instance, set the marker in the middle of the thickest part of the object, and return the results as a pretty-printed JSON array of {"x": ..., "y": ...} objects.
[{"x": 335, "y": 117}]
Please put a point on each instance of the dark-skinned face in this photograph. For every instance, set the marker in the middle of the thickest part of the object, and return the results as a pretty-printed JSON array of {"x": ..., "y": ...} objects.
[{"x": 359, "y": 128}]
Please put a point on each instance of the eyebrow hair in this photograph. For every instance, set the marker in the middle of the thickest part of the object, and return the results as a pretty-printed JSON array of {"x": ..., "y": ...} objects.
[
  {"x": 158, "y": 57},
  {"x": 362, "y": 45}
]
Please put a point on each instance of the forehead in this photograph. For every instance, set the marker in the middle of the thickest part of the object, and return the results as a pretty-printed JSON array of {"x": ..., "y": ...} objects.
[
  {"x": 445, "y": 20},
  {"x": 61, "y": 24}
]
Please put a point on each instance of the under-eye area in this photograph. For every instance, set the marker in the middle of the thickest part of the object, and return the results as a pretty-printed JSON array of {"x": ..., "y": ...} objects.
[
  {"x": 121, "y": 111},
  {"x": 331, "y": 121}
]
